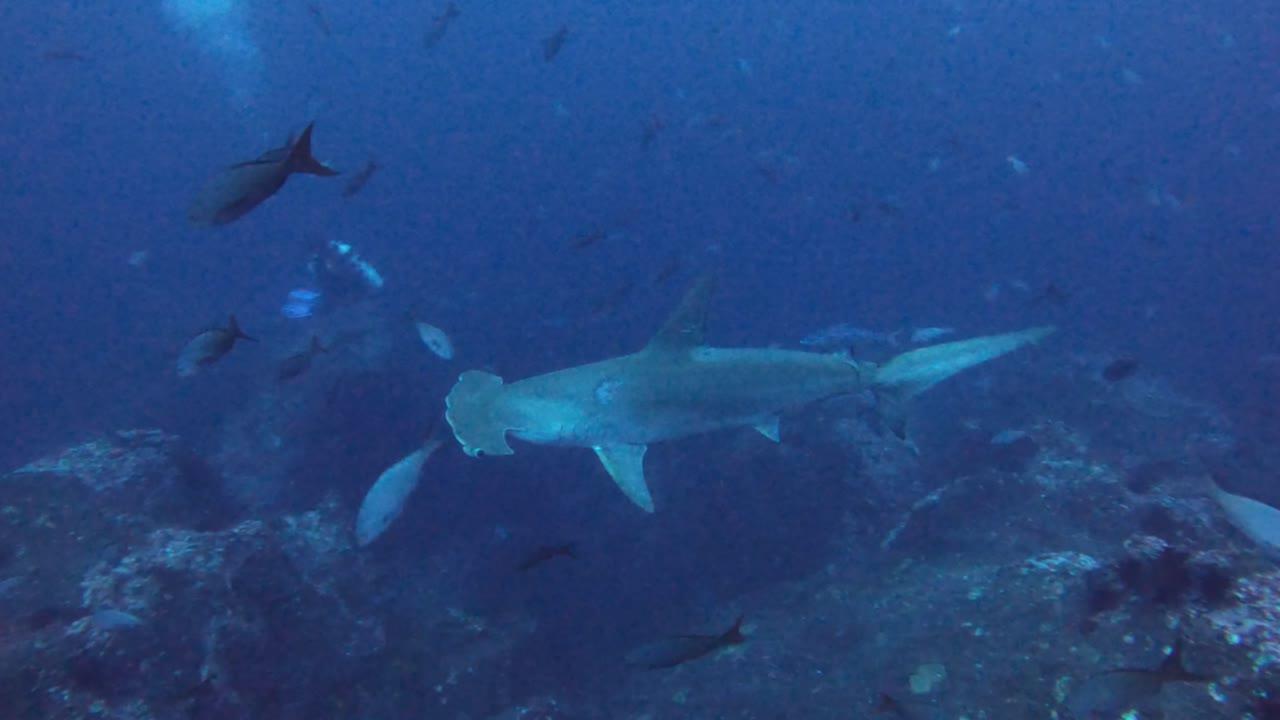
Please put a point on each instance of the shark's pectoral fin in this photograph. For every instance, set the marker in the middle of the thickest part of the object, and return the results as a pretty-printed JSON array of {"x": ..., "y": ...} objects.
[
  {"x": 470, "y": 410},
  {"x": 625, "y": 464},
  {"x": 769, "y": 429}
]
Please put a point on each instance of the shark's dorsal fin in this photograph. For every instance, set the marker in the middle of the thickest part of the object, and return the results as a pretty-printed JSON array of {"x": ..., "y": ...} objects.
[
  {"x": 625, "y": 464},
  {"x": 685, "y": 328}
]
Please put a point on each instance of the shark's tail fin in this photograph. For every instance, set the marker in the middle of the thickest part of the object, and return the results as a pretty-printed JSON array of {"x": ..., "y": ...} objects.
[
  {"x": 911, "y": 373},
  {"x": 469, "y": 408}
]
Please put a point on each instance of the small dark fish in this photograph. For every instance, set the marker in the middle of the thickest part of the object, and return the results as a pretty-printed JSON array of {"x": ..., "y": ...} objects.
[
  {"x": 551, "y": 46},
  {"x": 1118, "y": 370},
  {"x": 543, "y": 554},
  {"x": 1110, "y": 693},
  {"x": 887, "y": 704},
  {"x": 671, "y": 267},
  {"x": 360, "y": 179},
  {"x": 1051, "y": 295},
  {"x": 683, "y": 648},
  {"x": 317, "y": 14},
  {"x": 609, "y": 303},
  {"x": 209, "y": 346},
  {"x": 652, "y": 129},
  {"x": 299, "y": 363},
  {"x": 587, "y": 239},
  {"x": 235, "y": 191},
  {"x": 64, "y": 56},
  {"x": 440, "y": 26},
  {"x": 888, "y": 208}
]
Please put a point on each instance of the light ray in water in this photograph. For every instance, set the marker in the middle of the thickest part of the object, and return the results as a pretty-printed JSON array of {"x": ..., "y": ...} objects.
[{"x": 220, "y": 28}]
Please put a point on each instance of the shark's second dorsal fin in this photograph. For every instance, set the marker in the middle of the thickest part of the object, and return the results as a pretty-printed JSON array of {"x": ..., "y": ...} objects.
[{"x": 686, "y": 326}]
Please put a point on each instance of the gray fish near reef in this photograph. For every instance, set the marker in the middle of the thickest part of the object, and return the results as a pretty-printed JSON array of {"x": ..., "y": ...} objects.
[
  {"x": 108, "y": 619},
  {"x": 238, "y": 189},
  {"x": 209, "y": 346},
  {"x": 1108, "y": 694},
  {"x": 386, "y": 498},
  {"x": 440, "y": 26},
  {"x": 360, "y": 179},
  {"x": 681, "y": 649},
  {"x": 299, "y": 363},
  {"x": 546, "y": 553},
  {"x": 1259, "y": 521},
  {"x": 552, "y": 45}
]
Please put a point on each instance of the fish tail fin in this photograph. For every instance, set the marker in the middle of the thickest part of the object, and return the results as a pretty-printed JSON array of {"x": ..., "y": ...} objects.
[
  {"x": 316, "y": 346},
  {"x": 913, "y": 372},
  {"x": 234, "y": 328},
  {"x": 571, "y": 550},
  {"x": 734, "y": 634},
  {"x": 302, "y": 161}
]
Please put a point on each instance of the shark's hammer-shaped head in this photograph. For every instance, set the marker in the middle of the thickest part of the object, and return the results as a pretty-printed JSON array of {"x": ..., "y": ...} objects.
[{"x": 472, "y": 411}]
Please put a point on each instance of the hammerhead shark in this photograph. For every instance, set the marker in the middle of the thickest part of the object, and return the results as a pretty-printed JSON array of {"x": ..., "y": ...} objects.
[{"x": 677, "y": 386}]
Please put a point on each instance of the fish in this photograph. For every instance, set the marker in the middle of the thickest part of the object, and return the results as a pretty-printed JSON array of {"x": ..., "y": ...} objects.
[
  {"x": 587, "y": 239},
  {"x": 238, "y": 189},
  {"x": 439, "y": 26},
  {"x": 843, "y": 335},
  {"x": 435, "y": 339},
  {"x": 209, "y": 346},
  {"x": 545, "y": 553},
  {"x": 887, "y": 704},
  {"x": 1052, "y": 294},
  {"x": 553, "y": 43},
  {"x": 1108, "y": 694},
  {"x": 608, "y": 304},
  {"x": 386, "y": 497},
  {"x": 652, "y": 128},
  {"x": 360, "y": 179},
  {"x": 669, "y": 269},
  {"x": 322, "y": 22},
  {"x": 298, "y": 363},
  {"x": 1257, "y": 520},
  {"x": 681, "y": 649},
  {"x": 1118, "y": 370},
  {"x": 677, "y": 386},
  {"x": 109, "y": 619}
]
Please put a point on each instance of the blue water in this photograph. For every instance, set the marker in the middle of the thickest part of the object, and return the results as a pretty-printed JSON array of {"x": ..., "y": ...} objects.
[{"x": 829, "y": 161}]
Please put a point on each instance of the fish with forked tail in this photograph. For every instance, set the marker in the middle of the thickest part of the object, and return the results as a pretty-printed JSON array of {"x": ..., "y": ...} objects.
[
  {"x": 681, "y": 649},
  {"x": 209, "y": 346},
  {"x": 298, "y": 363},
  {"x": 552, "y": 44},
  {"x": 234, "y": 192}
]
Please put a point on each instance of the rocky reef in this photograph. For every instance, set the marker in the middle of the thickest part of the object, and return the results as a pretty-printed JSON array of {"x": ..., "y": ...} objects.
[{"x": 987, "y": 571}]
